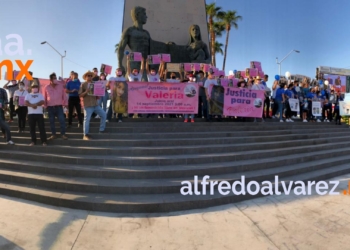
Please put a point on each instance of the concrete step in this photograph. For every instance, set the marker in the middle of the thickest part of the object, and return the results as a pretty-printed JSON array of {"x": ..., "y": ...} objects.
[
  {"x": 10, "y": 152},
  {"x": 21, "y": 139},
  {"x": 170, "y": 171},
  {"x": 147, "y": 203},
  {"x": 176, "y": 149},
  {"x": 158, "y": 186}
]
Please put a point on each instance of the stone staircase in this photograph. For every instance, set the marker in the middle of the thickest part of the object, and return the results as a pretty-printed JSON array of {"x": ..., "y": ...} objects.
[{"x": 138, "y": 165}]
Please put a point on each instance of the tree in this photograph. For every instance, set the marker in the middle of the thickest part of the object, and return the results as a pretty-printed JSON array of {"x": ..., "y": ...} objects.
[
  {"x": 218, "y": 48},
  {"x": 116, "y": 48},
  {"x": 213, "y": 13},
  {"x": 229, "y": 19}
]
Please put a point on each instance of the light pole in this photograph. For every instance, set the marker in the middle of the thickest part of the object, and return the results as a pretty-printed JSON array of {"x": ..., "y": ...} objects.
[
  {"x": 62, "y": 56},
  {"x": 279, "y": 63}
]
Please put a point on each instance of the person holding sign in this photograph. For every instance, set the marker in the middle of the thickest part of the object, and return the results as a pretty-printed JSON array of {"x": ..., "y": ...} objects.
[
  {"x": 135, "y": 75},
  {"x": 90, "y": 106},
  {"x": 152, "y": 74},
  {"x": 5, "y": 128},
  {"x": 20, "y": 107},
  {"x": 72, "y": 89},
  {"x": 11, "y": 89},
  {"x": 103, "y": 99},
  {"x": 287, "y": 95}
]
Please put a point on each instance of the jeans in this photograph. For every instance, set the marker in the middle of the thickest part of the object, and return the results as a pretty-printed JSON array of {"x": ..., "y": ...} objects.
[
  {"x": 202, "y": 107},
  {"x": 22, "y": 115},
  {"x": 12, "y": 108},
  {"x": 5, "y": 128},
  {"x": 103, "y": 101},
  {"x": 74, "y": 102},
  {"x": 280, "y": 108},
  {"x": 267, "y": 104},
  {"x": 88, "y": 111},
  {"x": 53, "y": 112},
  {"x": 191, "y": 116},
  {"x": 33, "y": 120}
]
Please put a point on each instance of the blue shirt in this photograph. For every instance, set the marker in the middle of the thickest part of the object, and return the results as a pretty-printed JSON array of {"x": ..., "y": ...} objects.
[
  {"x": 264, "y": 83},
  {"x": 289, "y": 93},
  {"x": 279, "y": 93},
  {"x": 310, "y": 95},
  {"x": 73, "y": 85}
]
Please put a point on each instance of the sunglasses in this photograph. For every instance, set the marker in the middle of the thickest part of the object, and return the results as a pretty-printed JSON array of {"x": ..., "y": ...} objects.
[{"x": 89, "y": 76}]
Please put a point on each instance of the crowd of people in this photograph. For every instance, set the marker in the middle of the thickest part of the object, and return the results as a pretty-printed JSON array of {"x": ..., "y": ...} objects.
[{"x": 29, "y": 104}]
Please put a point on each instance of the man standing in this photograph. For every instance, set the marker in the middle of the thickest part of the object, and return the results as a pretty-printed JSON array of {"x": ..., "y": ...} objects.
[
  {"x": 211, "y": 81},
  {"x": 55, "y": 98},
  {"x": 95, "y": 78},
  {"x": 3, "y": 125},
  {"x": 90, "y": 106},
  {"x": 267, "y": 98},
  {"x": 202, "y": 104},
  {"x": 11, "y": 89},
  {"x": 72, "y": 89}
]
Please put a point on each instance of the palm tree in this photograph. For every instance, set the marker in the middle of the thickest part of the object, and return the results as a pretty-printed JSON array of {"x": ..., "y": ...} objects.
[
  {"x": 218, "y": 48},
  {"x": 229, "y": 19},
  {"x": 116, "y": 48},
  {"x": 213, "y": 12}
]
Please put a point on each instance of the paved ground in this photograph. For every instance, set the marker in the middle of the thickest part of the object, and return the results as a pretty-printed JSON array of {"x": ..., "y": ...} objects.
[{"x": 274, "y": 222}]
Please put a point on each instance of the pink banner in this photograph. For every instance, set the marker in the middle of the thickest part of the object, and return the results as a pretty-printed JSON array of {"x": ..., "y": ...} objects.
[
  {"x": 221, "y": 73},
  {"x": 165, "y": 57},
  {"x": 206, "y": 67},
  {"x": 162, "y": 98},
  {"x": 99, "y": 88},
  {"x": 243, "y": 74},
  {"x": 42, "y": 85},
  {"x": 243, "y": 102},
  {"x": 256, "y": 65},
  {"x": 223, "y": 82},
  {"x": 135, "y": 57},
  {"x": 261, "y": 74}
]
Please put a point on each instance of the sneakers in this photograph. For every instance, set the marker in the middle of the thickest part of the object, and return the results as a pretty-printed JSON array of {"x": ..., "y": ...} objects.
[
  {"x": 281, "y": 121},
  {"x": 318, "y": 120},
  {"x": 86, "y": 138},
  {"x": 97, "y": 117},
  {"x": 326, "y": 120},
  {"x": 107, "y": 120},
  {"x": 192, "y": 120},
  {"x": 289, "y": 120},
  {"x": 294, "y": 117},
  {"x": 52, "y": 137},
  {"x": 64, "y": 137},
  {"x": 120, "y": 121},
  {"x": 10, "y": 142},
  {"x": 305, "y": 121},
  {"x": 185, "y": 120}
]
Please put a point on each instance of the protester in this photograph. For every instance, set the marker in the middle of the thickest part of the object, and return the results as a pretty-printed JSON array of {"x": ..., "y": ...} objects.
[
  {"x": 135, "y": 75},
  {"x": 102, "y": 101},
  {"x": 90, "y": 106},
  {"x": 21, "y": 109},
  {"x": 34, "y": 102},
  {"x": 266, "y": 109},
  {"x": 288, "y": 94},
  {"x": 5, "y": 128},
  {"x": 55, "y": 98},
  {"x": 152, "y": 74},
  {"x": 192, "y": 79},
  {"x": 336, "y": 108},
  {"x": 72, "y": 89},
  {"x": 202, "y": 103},
  {"x": 11, "y": 89},
  {"x": 258, "y": 85},
  {"x": 275, "y": 87},
  {"x": 119, "y": 78},
  {"x": 95, "y": 77},
  {"x": 279, "y": 100},
  {"x": 211, "y": 81}
]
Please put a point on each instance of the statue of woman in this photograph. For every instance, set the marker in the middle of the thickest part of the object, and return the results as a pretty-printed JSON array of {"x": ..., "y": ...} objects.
[{"x": 197, "y": 48}]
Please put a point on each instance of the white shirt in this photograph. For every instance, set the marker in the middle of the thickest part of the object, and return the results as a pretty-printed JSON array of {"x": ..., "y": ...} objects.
[
  {"x": 209, "y": 82},
  {"x": 133, "y": 78},
  {"x": 258, "y": 87},
  {"x": 154, "y": 78},
  {"x": 120, "y": 79},
  {"x": 34, "y": 98}
]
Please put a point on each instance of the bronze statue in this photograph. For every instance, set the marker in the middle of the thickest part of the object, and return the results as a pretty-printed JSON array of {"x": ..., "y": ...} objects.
[
  {"x": 199, "y": 52},
  {"x": 135, "y": 36}
]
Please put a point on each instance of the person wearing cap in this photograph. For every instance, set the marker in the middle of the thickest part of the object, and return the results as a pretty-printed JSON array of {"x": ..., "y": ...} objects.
[
  {"x": 5, "y": 128},
  {"x": 90, "y": 106},
  {"x": 55, "y": 98},
  {"x": 34, "y": 101},
  {"x": 96, "y": 77}
]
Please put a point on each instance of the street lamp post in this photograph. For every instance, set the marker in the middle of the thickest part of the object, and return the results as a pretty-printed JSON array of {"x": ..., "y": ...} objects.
[
  {"x": 62, "y": 56},
  {"x": 279, "y": 63}
]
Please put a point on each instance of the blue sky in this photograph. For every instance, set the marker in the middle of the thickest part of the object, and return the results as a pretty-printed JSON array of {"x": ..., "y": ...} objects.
[{"x": 89, "y": 29}]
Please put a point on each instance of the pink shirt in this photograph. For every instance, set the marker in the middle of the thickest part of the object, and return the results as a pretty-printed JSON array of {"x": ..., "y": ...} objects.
[{"x": 55, "y": 96}]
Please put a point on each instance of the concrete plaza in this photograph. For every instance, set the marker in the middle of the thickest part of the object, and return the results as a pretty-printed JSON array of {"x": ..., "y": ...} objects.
[{"x": 273, "y": 222}]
